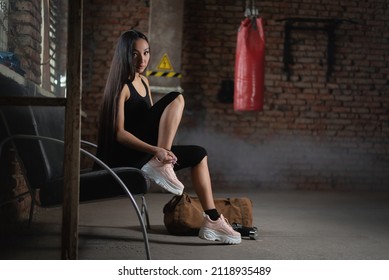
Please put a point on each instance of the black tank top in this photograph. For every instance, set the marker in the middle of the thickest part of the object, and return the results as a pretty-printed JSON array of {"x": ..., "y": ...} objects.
[{"x": 136, "y": 107}]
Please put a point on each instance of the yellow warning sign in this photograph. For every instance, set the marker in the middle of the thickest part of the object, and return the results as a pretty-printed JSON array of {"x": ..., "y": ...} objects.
[{"x": 165, "y": 64}]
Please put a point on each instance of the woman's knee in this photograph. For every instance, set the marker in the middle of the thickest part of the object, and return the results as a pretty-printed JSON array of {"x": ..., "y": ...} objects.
[
  {"x": 175, "y": 99},
  {"x": 200, "y": 153},
  {"x": 179, "y": 100}
]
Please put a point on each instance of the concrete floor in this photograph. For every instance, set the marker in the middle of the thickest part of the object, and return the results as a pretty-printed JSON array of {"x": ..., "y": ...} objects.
[{"x": 297, "y": 225}]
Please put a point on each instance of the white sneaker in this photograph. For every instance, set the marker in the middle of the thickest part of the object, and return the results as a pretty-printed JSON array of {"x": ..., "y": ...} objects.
[
  {"x": 164, "y": 175},
  {"x": 219, "y": 230}
]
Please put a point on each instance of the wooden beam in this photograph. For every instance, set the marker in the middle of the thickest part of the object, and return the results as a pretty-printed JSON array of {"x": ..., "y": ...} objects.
[
  {"x": 72, "y": 132},
  {"x": 32, "y": 101}
]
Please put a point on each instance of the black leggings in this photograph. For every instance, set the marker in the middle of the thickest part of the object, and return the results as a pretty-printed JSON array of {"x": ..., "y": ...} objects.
[{"x": 147, "y": 131}]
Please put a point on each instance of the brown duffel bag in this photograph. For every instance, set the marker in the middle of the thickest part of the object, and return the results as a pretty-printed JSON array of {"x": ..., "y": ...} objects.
[{"x": 183, "y": 215}]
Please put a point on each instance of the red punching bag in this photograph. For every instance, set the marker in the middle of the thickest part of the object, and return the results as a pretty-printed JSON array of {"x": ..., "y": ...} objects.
[{"x": 249, "y": 66}]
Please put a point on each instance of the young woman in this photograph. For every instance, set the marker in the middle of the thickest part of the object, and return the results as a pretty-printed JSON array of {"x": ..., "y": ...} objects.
[{"x": 135, "y": 132}]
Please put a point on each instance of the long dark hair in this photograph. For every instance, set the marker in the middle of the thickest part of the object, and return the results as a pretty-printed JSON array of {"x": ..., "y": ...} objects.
[{"x": 122, "y": 69}]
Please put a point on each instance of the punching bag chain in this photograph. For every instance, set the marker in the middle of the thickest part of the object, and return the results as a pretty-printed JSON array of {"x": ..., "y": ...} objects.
[{"x": 251, "y": 11}]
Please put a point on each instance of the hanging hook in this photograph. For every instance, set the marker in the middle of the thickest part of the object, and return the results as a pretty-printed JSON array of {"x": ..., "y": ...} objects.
[{"x": 251, "y": 11}]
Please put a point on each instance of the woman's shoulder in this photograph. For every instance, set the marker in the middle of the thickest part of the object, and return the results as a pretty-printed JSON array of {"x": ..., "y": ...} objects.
[{"x": 144, "y": 79}]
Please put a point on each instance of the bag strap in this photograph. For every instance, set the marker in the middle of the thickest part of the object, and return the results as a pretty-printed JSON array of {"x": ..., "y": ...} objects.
[{"x": 174, "y": 201}]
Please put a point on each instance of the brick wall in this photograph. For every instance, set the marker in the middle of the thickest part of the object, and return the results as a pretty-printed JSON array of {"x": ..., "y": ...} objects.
[
  {"x": 24, "y": 38},
  {"x": 312, "y": 133},
  {"x": 12, "y": 184}
]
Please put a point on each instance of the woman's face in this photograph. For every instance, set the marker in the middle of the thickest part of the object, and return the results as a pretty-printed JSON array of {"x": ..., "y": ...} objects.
[{"x": 141, "y": 55}]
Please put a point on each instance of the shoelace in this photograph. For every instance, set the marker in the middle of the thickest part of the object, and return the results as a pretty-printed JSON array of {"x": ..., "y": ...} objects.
[{"x": 171, "y": 171}]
